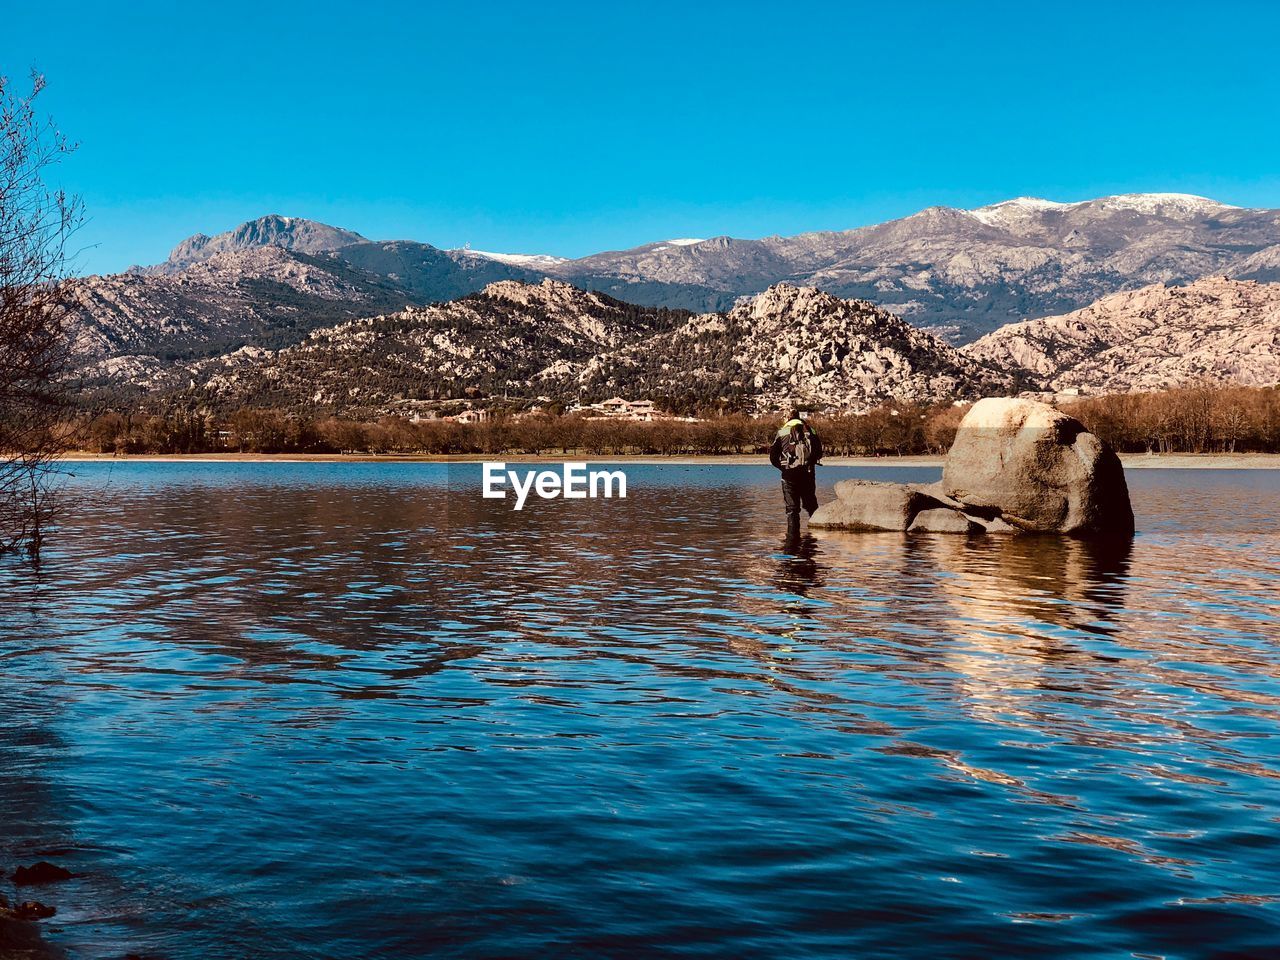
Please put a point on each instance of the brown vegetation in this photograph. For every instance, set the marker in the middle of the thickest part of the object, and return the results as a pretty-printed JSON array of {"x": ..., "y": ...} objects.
[
  {"x": 1198, "y": 419},
  {"x": 885, "y": 430},
  {"x": 35, "y": 224}
]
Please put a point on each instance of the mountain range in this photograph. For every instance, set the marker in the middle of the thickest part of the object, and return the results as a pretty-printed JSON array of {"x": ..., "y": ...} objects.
[
  {"x": 716, "y": 320},
  {"x": 556, "y": 342},
  {"x": 963, "y": 272}
]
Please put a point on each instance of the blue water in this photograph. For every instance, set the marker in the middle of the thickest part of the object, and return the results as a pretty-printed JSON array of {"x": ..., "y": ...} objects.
[{"x": 356, "y": 710}]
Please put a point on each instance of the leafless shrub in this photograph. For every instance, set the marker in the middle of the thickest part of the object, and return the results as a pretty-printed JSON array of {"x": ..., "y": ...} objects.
[{"x": 36, "y": 223}]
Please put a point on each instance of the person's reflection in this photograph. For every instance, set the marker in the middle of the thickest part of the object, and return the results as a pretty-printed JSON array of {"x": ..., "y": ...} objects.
[{"x": 798, "y": 571}]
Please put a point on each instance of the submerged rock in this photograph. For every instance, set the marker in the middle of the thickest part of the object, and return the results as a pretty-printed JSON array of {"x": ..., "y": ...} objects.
[
  {"x": 1015, "y": 466},
  {"x": 864, "y": 505},
  {"x": 944, "y": 520},
  {"x": 41, "y": 872},
  {"x": 1037, "y": 469},
  {"x": 867, "y": 505}
]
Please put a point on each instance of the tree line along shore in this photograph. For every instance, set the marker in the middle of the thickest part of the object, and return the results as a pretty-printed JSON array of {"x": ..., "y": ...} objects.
[{"x": 1198, "y": 419}]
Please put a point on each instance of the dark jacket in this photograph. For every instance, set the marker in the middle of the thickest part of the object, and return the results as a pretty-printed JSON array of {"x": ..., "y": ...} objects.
[{"x": 804, "y": 473}]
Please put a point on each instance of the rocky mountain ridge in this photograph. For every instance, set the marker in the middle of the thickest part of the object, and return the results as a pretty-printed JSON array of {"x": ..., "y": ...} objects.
[
  {"x": 553, "y": 340},
  {"x": 796, "y": 343},
  {"x": 971, "y": 271},
  {"x": 1215, "y": 329},
  {"x": 512, "y": 337},
  {"x": 961, "y": 272},
  {"x": 128, "y": 328},
  {"x": 273, "y": 230}
]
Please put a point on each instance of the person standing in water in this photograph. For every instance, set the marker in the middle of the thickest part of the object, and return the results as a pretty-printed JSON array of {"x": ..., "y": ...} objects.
[{"x": 795, "y": 451}]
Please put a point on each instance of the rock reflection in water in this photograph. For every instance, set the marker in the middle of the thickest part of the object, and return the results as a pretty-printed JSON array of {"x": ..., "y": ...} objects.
[{"x": 1016, "y": 606}]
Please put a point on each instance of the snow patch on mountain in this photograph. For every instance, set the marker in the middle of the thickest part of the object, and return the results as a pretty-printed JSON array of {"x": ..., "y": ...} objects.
[
  {"x": 1164, "y": 204},
  {"x": 660, "y": 245},
  {"x": 535, "y": 260},
  {"x": 999, "y": 214},
  {"x": 1179, "y": 205}
]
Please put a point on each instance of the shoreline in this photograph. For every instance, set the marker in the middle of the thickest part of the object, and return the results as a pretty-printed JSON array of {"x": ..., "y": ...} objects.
[{"x": 1135, "y": 461}]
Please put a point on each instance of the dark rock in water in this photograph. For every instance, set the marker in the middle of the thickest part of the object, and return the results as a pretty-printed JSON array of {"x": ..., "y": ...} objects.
[
  {"x": 34, "y": 910},
  {"x": 1037, "y": 469},
  {"x": 41, "y": 872},
  {"x": 20, "y": 937}
]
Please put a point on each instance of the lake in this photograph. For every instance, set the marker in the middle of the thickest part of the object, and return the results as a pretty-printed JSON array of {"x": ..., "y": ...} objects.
[{"x": 337, "y": 710}]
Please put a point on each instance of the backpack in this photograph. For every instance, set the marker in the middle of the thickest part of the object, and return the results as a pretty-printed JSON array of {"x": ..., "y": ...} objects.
[{"x": 796, "y": 451}]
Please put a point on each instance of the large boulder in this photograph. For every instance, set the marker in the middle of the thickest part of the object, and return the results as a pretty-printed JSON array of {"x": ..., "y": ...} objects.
[
  {"x": 1038, "y": 469},
  {"x": 1016, "y": 466}
]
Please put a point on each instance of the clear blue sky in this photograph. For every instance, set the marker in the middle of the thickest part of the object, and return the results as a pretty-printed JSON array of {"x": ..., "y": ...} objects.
[{"x": 574, "y": 127}]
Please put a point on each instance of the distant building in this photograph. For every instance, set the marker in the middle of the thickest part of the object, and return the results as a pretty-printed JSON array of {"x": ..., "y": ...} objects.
[
  {"x": 621, "y": 409},
  {"x": 612, "y": 408},
  {"x": 641, "y": 410}
]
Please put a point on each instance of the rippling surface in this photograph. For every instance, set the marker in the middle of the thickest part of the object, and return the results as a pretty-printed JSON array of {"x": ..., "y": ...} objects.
[{"x": 355, "y": 710}]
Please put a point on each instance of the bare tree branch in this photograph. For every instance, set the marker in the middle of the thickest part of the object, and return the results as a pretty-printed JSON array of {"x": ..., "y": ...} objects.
[{"x": 36, "y": 223}]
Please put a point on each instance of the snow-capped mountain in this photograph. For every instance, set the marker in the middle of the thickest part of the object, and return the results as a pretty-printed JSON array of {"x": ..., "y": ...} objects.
[
  {"x": 970, "y": 271},
  {"x": 269, "y": 282},
  {"x": 534, "y": 260},
  {"x": 1174, "y": 205}
]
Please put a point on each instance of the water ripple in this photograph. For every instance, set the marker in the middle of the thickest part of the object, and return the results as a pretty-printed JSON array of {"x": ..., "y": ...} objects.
[{"x": 326, "y": 710}]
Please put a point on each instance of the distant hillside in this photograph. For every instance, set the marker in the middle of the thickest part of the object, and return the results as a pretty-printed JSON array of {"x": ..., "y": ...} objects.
[
  {"x": 1215, "y": 329},
  {"x": 425, "y": 273},
  {"x": 794, "y": 343},
  {"x": 129, "y": 328},
  {"x": 132, "y": 326},
  {"x": 429, "y": 274},
  {"x": 552, "y": 340},
  {"x": 513, "y": 337}
]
